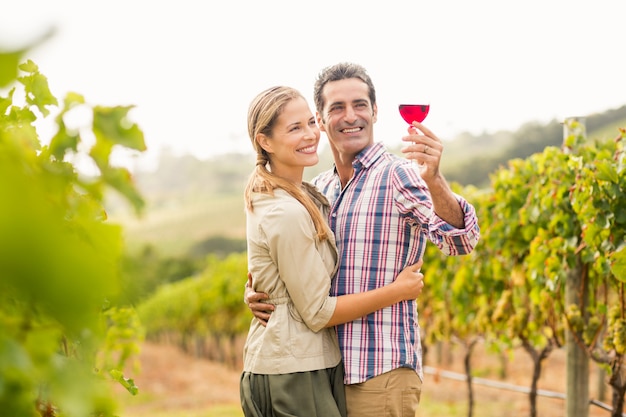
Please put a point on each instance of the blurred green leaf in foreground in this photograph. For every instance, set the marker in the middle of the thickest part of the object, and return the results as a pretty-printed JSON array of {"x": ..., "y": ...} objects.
[{"x": 62, "y": 343}]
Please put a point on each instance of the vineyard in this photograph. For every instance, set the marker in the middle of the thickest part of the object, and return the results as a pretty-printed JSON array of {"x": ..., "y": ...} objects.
[
  {"x": 173, "y": 383},
  {"x": 547, "y": 277},
  {"x": 548, "y": 274}
]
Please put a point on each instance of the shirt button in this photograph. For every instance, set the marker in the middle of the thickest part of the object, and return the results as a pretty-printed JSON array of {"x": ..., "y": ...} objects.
[{"x": 334, "y": 214}]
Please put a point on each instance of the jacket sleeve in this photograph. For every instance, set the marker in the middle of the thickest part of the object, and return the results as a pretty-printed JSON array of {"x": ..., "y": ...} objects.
[{"x": 293, "y": 248}]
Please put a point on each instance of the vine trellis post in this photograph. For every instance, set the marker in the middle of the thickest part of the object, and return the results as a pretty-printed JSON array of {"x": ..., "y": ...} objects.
[{"x": 576, "y": 292}]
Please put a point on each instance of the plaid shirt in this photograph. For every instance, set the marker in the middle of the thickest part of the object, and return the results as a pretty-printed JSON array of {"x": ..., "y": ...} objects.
[{"x": 382, "y": 220}]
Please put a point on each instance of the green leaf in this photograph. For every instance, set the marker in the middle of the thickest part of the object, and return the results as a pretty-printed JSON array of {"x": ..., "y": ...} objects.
[
  {"x": 121, "y": 180},
  {"x": 127, "y": 383},
  {"x": 13, "y": 356},
  {"x": 63, "y": 141},
  {"x": 29, "y": 67},
  {"x": 6, "y": 102},
  {"x": 73, "y": 99},
  {"x": 618, "y": 264},
  {"x": 8, "y": 67},
  {"x": 36, "y": 86},
  {"x": 100, "y": 153},
  {"x": 111, "y": 124},
  {"x": 607, "y": 171},
  {"x": 9, "y": 60}
]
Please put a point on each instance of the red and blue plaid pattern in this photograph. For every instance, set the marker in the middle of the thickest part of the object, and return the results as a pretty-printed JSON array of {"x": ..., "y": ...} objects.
[{"x": 382, "y": 220}]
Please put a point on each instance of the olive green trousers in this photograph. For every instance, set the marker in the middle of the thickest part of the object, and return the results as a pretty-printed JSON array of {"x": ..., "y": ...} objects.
[{"x": 301, "y": 394}]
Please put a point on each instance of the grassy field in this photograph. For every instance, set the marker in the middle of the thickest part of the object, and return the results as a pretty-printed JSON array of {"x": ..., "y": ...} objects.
[
  {"x": 173, "y": 229},
  {"x": 608, "y": 132}
]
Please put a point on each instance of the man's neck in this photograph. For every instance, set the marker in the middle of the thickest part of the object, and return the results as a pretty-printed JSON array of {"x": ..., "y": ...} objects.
[{"x": 345, "y": 170}]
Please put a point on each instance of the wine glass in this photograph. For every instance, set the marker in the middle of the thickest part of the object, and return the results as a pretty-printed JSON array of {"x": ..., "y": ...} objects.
[{"x": 414, "y": 112}]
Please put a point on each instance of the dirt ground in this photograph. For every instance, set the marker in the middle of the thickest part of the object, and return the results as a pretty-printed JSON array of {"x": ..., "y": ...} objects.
[{"x": 171, "y": 381}]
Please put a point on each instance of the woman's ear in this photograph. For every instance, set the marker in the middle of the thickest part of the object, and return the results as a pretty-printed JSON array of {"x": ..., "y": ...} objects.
[{"x": 264, "y": 143}]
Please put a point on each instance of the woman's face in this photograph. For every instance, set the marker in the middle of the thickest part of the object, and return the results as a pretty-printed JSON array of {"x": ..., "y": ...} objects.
[{"x": 294, "y": 141}]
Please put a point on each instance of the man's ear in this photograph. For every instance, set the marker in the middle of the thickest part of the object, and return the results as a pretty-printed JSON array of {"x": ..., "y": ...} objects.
[
  {"x": 374, "y": 113},
  {"x": 264, "y": 142},
  {"x": 320, "y": 121}
]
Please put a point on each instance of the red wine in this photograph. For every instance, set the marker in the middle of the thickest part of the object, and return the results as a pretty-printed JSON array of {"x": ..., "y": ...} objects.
[{"x": 411, "y": 112}]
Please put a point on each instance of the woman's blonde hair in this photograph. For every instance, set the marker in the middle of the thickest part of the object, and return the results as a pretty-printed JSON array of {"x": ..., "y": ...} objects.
[{"x": 263, "y": 113}]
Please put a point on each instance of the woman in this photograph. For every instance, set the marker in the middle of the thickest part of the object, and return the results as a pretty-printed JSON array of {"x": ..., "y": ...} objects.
[{"x": 293, "y": 366}]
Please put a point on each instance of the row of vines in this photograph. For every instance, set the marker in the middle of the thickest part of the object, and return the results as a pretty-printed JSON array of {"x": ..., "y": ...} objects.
[
  {"x": 205, "y": 315},
  {"x": 554, "y": 217}
]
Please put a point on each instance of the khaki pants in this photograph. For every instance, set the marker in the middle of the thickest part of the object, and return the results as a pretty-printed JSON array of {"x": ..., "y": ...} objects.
[{"x": 392, "y": 394}]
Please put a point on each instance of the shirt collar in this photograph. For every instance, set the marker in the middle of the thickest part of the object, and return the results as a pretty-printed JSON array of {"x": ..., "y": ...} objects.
[{"x": 369, "y": 155}]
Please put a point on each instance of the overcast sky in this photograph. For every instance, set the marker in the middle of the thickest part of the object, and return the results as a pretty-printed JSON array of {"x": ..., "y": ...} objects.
[{"x": 192, "y": 67}]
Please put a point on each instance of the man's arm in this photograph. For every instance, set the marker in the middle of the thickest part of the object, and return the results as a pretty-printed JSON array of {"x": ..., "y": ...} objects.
[
  {"x": 426, "y": 149},
  {"x": 445, "y": 204},
  {"x": 260, "y": 310}
]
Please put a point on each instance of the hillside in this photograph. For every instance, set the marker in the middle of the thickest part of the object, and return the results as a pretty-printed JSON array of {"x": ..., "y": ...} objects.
[{"x": 191, "y": 200}]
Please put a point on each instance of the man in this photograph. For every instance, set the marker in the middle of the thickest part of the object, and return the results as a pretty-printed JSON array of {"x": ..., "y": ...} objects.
[{"x": 384, "y": 209}]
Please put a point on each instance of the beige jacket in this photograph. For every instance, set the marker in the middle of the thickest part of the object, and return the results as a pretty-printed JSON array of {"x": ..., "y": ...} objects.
[{"x": 288, "y": 263}]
